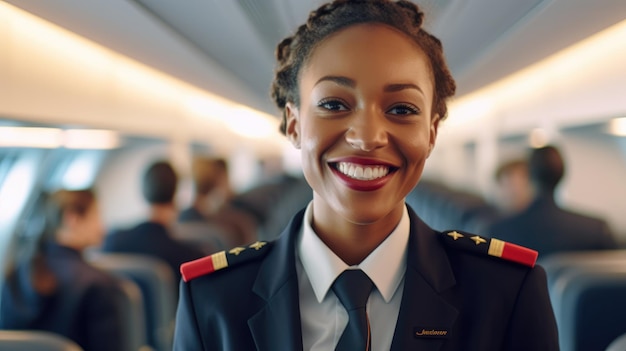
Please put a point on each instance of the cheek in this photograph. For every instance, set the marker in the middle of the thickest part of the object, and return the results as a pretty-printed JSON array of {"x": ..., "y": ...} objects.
[
  {"x": 96, "y": 228},
  {"x": 317, "y": 140},
  {"x": 311, "y": 150},
  {"x": 416, "y": 145},
  {"x": 318, "y": 137},
  {"x": 309, "y": 144}
]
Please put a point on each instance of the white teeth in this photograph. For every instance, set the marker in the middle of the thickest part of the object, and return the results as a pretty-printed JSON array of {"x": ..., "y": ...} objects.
[
  {"x": 367, "y": 174},
  {"x": 359, "y": 173},
  {"x": 362, "y": 172}
]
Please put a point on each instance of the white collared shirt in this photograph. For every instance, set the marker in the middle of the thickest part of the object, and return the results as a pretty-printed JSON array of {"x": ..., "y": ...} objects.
[{"x": 323, "y": 316}]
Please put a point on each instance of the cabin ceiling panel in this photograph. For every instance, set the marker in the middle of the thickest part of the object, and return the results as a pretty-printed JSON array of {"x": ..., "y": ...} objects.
[{"x": 226, "y": 46}]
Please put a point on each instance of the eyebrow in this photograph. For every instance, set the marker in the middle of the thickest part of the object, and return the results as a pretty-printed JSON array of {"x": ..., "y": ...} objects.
[
  {"x": 345, "y": 81},
  {"x": 391, "y": 88},
  {"x": 350, "y": 83}
]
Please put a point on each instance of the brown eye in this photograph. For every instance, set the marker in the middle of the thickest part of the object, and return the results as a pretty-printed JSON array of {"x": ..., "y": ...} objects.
[
  {"x": 332, "y": 105},
  {"x": 403, "y": 110}
]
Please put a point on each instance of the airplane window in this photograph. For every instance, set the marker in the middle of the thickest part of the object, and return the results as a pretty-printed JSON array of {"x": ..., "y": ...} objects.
[
  {"x": 81, "y": 172},
  {"x": 7, "y": 158},
  {"x": 26, "y": 171},
  {"x": 15, "y": 190},
  {"x": 74, "y": 169}
]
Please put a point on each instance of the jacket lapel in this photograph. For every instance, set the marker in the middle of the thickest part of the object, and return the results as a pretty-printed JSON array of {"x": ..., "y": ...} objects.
[
  {"x": 424, "y": 313},
  {"x": 426, "y": 319},
  {"x": 276, "y": 327}
]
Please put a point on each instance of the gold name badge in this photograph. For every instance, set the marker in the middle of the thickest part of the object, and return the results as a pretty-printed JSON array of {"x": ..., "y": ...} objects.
[{"x": 429, "y": 332}]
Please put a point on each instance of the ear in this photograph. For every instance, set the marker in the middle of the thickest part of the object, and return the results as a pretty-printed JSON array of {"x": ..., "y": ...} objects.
[
  {"x": 434, "y": 128},
  {"x": 292, "y": 115}
]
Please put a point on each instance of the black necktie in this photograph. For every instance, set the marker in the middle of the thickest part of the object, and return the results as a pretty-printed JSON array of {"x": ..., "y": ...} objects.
[{"x": 353, "y": 288}]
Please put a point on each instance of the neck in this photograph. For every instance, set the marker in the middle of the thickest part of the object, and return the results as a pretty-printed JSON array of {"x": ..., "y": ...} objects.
[
  {"x": 199, "y": 203},
  {"x": 542, "y": 191},
  {"x": 208, "y": 204},
  {"x": 69, "y": 239},
  {"x": 353, "y": 242},
  {"x": 164, "y": 214}
]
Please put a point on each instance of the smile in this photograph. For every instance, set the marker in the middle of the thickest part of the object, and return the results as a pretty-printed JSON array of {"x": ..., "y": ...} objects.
[{"x": 362, "y": 172}]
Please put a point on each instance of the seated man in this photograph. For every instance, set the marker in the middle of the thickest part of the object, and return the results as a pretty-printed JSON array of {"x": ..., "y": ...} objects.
[
  {"x": 152, "y": 237},
  {"x": 513, "y": 188},
  {"x": 212, "y": 216},
  {"x": 543, "y": 225}
]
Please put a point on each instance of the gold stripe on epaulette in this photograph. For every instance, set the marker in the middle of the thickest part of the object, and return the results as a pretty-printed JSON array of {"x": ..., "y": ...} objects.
[
  {"x": 237, "y": 250},
  {"x": 257, "y": 245},
  {"x": 219, "y": 260},
  {"x": 478, "y": 240},
  {"x": 455, "y": 235},
  {"x": 496, "y": 247}
]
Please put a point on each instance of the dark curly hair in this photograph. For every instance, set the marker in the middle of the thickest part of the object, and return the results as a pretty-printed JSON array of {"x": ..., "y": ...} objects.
[{"x": 293, "y": 52}]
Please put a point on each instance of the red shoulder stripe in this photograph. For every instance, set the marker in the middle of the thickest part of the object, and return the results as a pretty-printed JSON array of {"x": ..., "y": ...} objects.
[
  {"x": 519, "y": 254},
  {"x": 202, "y": 266},
  {"x": 492, "y": 247},
  {"x": 223, "y": 259}
]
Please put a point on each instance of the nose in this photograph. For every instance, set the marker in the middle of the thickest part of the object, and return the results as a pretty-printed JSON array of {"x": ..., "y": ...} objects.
[{"x": 367, "y": 131}]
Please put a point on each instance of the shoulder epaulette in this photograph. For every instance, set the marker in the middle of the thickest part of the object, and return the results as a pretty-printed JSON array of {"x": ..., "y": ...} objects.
[
  {"x": 215, "y": 262},
  {"x": 491, "y": 246}
]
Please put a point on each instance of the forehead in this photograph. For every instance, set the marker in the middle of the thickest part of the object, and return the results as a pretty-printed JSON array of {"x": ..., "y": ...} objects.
[{"x": 367, "y": 50}]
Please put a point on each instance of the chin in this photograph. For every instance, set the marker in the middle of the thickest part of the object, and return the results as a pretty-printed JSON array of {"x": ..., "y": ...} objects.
[{"x": 367, "y": 217}]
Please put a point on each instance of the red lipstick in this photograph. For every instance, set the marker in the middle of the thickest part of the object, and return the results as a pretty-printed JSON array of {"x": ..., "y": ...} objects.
[{"x": 360, "y": 184}]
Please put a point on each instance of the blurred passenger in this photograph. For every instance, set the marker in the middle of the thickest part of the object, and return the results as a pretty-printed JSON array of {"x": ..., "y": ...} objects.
[
  {"x": 514, "y": 192},
  {"x": 212, "y": 206},
  {"x": 55, "y": 289},
  {"x": 543, "y": 225},
  {"x": 294, "y": 194},
  {"x": 278, "y": 195},
  {"x": 153, "y": 237},
  {"x": 212, "y": 189}
]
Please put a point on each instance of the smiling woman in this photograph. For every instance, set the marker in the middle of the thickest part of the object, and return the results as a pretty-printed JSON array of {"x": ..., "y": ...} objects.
[
  {"x": 363, "y": 89},
  {"x": 398, "y": 146},
  {"x": 375, "y": 114}
]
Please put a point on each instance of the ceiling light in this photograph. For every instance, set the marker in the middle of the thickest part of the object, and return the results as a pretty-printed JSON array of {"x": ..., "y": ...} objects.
[
  {"x": 51, "y": 138},
  {"x": 90, "y": 139},
  {"x": 43, "y": 138},
  {"x": 538, "y": 138},
  {"x": 250, "y": 123},
  {"x": 617, "y": 126}
]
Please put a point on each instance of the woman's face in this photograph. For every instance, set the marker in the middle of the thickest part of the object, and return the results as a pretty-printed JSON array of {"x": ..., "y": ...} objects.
[
  {"x": 86, "y": 230},
  {"x": 364, "y": 125}
]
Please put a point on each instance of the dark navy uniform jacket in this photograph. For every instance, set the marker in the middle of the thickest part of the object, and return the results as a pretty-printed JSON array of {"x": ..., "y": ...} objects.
[
  {"x": 85, "y": 308},
  {"x": 545, "y": 227},
  {"x": 454, "y": 299},
  {"x": 152, "y": 239}
]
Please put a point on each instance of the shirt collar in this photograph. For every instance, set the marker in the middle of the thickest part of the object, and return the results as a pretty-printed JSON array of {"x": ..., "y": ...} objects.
[{"x": 385, "y": 265}]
